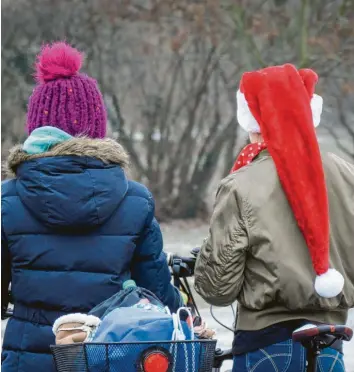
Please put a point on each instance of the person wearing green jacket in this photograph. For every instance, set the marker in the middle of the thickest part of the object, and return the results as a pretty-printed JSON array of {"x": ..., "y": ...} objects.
[{"x": 281, "y": 240}]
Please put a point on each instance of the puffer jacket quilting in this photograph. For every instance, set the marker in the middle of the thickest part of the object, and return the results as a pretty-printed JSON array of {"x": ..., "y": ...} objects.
[{"x": 73, "y": 230}]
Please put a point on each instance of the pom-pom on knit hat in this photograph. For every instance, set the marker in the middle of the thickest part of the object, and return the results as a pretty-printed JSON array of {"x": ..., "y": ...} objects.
[
  {"x": 279, "y": 102},
  {"x": 63, "y": 97}
]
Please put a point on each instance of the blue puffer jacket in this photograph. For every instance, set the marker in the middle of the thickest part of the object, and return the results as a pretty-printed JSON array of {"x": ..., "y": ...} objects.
[{"x": 73, "y": 230}]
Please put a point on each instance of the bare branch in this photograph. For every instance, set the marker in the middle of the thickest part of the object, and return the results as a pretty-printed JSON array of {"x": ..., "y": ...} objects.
[{"x": 124, "y": 138}]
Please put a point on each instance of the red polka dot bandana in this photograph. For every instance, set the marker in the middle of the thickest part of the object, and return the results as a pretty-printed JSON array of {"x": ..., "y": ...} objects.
[{"x": 248, "y": 154}]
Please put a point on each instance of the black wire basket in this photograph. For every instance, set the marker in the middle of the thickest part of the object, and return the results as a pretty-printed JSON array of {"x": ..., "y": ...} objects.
[{"x": 174, "y": 356}]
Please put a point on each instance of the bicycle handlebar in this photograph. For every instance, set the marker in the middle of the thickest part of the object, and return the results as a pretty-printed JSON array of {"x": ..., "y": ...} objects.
[
  {"x": 183, "y": 266},
  {"x": 186, "y": 264}
]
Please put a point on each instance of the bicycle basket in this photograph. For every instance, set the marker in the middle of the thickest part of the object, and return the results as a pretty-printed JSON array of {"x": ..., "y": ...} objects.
[{"x": 169, "y": 356}]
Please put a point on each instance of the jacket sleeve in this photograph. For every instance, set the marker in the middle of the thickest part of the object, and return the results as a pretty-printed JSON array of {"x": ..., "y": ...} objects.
[
  {"x": 5, "y": 273},
  {"x": 221, "y": 261},
  {"x": 149, "y": 267}
]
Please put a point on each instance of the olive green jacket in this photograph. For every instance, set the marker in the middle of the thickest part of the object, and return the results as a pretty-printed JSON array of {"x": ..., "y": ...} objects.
[{"x": 256, "y": 254}]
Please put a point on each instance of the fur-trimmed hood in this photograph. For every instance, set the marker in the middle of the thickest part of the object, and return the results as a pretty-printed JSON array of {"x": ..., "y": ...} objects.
[
  {"x": 106, "y": 150},
  {"x": 77, "y": 184}
]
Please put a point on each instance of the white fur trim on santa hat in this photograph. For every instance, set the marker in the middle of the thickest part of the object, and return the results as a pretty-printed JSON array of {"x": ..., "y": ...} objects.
[
  {"x": 329, "y": 284},
  {"x": 250, "y": 124},
  {"x": 316, "y": 107},
  {"x": 244, "y": 115},
  {"x": 85, "y": 319}
]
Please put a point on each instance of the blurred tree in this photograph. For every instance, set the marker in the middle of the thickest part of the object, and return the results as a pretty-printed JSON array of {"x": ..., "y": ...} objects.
[
  {"x": 186, "y": 121},
  {"x": 159, "y": 67},
  {"x": 342, "y": 127},
  {"x": 169, "y": 71},
  {"x": 311, "y": 34}
]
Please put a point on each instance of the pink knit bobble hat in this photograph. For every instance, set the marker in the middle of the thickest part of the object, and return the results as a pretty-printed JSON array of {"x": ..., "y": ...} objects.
[{"x": 64, "y": 98}]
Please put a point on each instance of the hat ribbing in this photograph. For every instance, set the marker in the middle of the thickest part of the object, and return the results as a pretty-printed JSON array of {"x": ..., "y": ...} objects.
[{"x": 64, "y": 98}]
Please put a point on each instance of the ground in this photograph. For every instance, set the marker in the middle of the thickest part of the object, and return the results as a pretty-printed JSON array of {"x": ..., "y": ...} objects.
[{"x": 180, "y": 238}]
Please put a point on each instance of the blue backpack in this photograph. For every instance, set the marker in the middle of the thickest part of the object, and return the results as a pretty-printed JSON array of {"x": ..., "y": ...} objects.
[
  {"x": 139, "y": 322},
  {"x": 129, "y": 296}
]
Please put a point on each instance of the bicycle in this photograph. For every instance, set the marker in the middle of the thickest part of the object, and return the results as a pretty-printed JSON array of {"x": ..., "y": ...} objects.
[{"x": 313, "y": 338}]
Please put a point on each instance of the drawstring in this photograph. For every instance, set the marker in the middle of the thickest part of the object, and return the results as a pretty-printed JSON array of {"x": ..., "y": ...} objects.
[{"x": 178, "y": 335}]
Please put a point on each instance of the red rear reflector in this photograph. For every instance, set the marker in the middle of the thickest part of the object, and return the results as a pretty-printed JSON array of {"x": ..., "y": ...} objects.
[{"x": 156, "y": 362}]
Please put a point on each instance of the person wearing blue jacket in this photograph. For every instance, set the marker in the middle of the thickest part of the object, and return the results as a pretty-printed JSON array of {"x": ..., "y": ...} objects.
[{"x": 74, "y": 228}]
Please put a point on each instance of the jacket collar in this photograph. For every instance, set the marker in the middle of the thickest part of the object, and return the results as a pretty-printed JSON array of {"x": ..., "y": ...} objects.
[
  {"x": 106, "y": 150},
  {"x": 262, "y": 155}
]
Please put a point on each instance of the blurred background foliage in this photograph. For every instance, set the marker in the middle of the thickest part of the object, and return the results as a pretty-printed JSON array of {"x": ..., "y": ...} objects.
[{"x": 169, "y": 70}]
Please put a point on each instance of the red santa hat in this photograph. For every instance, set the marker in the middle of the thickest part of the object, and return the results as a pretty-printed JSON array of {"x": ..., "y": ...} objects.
[{"x": 279, "y": 102}]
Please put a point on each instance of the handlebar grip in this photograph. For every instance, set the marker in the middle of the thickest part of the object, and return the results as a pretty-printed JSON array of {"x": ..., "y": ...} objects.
[
  {"x": 195, "y": 251},
  {"x": 182, "y": 267},
  {"x": 189, "y": 261}
]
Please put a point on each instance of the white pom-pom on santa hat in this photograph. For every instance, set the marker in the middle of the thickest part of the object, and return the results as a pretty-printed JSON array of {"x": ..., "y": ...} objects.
[
  {"x": 329, "y": 284},
  {"x": 249, "y": 123}
]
